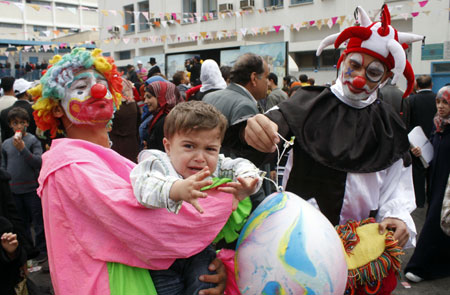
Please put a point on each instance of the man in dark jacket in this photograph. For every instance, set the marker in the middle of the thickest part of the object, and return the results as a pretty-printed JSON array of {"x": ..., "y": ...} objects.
[{"x": 423, "y": 109}]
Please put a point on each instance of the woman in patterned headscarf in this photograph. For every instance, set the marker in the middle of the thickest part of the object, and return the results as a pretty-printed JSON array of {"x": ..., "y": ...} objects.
[{"x": 160, "y": 98}]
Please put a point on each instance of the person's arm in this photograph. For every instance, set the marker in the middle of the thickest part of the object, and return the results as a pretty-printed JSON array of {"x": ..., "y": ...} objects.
[
  {"x": 4, "y": 158},
  {"x": 396, "y": 203},
  {"x": 152, "y": 180},
  {"x": 98, "y": 205},
  {"x": 239, "y": 167},
  {"x": 33, "y": 158}
]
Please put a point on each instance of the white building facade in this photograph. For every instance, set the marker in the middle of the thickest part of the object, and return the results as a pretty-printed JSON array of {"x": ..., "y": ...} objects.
[
  {"x": 30, "y": 29},
  {"x": 135, "y": 30}
]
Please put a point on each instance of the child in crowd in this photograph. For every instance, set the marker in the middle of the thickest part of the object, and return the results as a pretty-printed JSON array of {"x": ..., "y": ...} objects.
[
  {"x": 193, "y": 135},
  {"x": 21, "y": 157}
]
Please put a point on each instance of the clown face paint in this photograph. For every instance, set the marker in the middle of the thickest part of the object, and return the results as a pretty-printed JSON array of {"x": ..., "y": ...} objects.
[
  {"x": 81, "y": 106},
  {"x": 361, "y": 75}
]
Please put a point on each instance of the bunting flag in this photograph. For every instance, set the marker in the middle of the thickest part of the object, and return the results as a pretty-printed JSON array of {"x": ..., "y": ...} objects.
[
  {"x": 105, "y": 12},
  {"x": 319, "y": 24},
  {"x": 312, "y": 22},
  {"x": 414, "y": 14},
  {"x": 126, "y": 40},
  {"x": 423, "y": 3},
  {"x": 243, "y": 31},
  {"x": 35, "y": 7},
  {"x": 277, "y": 28}
]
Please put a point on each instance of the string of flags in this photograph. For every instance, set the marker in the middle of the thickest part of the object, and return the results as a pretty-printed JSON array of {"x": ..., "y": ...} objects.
[{"x": 203, "y": 35}]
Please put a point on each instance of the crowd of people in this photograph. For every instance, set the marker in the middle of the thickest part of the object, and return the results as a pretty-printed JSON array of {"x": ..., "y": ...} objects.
[{"x": 96, "y": 165}]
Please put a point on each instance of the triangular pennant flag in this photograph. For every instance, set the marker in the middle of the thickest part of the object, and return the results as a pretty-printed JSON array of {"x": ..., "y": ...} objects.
[
  {"x": 27, "y": 48},
  {"x": 297, "y": 26},
  {"x": 203, "y": 34},
  {"x": 173, "y": 37},
  {"x": 20, "y": 5},
  {"x": 46, "y": 47},
  {"x": 113, "y": 12},
  {"x": 121, "y": 13},
  {"x": 126, "y": 40},
  {"x": 178, "y": 21},
  {"x": 312, "y": 22},
  {"x": 277, "y": 28},
  {"x": 163, "y": 38},
  {"x": 334, "y": 19},
  {"x": 237, "y": 14},
  {"x": 404, "y": 15},
  {"x": 211, "y": 15},
  {"x": 72, "y": 9},
  {"x": 116, "y": 41},
  {"x": 260, "y": 10},
  {"x": 19, "y": 48},
  {"x": 35, "y": 7},
  {"x": 105, "y": 12},
  {"x": 192, "y": 20},
  {"x": 13, "y": 53},
  {"x": 330, "y": 23},
  {"x": 126, "y": 26},
  {"x": 163, "y": 23},
  {"x": 136, "y": 39},
  {"x": 414, "y": 14},
  {"x": 54, "y": 46},
  {"x": 106, "y": 41},
  {"x": 136, "y": 14},
  {"x": 319, "y": 24},
  {"x": 427, "y": 12},
  {"x": 255, "y": 31},
  {"x": 341, "y": 19},
  {"x": 65, "y": 31},
  {"x": 174, "y": 16},
  {"x": 7, "y": 53},
  {"x": 37, "y": 48},
  {"x": 56, "y": 32},
  {"x": 205, "y": 17},
  {"x": 243, "y": 31},
  {"x": 193, "y": 36},
  {"x": 423, "y": 3}
]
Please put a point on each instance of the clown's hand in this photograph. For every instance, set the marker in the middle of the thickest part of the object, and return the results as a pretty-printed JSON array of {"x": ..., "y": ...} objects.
[
  {"x": 188, "y": 189},
  {"x": 244, "y": 187},
  {"x": 399, "y": 228}
]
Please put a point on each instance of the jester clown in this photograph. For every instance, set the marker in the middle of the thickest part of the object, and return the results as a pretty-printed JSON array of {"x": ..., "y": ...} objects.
[
  {"x": 100, "y": 239},
  {"x": 351, "y": 148}
]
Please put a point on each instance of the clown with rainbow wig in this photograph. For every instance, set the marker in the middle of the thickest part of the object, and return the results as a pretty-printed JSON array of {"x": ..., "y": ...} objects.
[{"x": 100, "y": 239}]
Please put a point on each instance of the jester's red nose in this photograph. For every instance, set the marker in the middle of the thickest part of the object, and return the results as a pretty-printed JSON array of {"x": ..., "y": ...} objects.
[
  {"x": 359, "y": 82},
  {"x": 98, "y": 91}
]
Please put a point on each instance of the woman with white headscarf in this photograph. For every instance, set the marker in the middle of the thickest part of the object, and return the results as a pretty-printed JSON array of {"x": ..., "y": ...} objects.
[{"x": 211, "y": 79}]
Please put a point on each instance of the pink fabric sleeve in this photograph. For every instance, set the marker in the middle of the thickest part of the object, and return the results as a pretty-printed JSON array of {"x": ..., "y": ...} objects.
[{"x": 110, "y": 225}]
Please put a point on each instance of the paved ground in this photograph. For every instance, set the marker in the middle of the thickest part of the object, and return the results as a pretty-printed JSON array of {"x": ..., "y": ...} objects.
[{"x": 435, "y": 287}]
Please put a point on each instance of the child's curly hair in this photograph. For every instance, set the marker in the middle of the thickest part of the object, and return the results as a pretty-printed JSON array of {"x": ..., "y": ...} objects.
[{"x": 61, "y": 71}]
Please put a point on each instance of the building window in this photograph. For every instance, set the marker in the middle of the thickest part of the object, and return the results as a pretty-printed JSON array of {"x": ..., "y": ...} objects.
[
  {"x": 39, "y": 28},
  {"x": 44, "y": 3},
  {"x": 11, "y": 26},
  {"x": 189, "y": 6},
  {"x": 273, "y": 3},
  {"x": 129, "y": 18},
  {"x": 143, "y": 22},
  {"x": 293, "y": 2},
  {"x": 210, "y": 6},
  {"x": 124, "y": 55},
  {"x": 329, "y": 58}
]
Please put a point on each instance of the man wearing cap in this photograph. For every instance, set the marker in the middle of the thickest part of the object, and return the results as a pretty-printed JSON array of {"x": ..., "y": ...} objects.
[
  {"x": 141, "y": 72},
  {"x": 351, "y": 149},
  {"x": 154, "y": 69},
  {"x": 23, "y": 101}
]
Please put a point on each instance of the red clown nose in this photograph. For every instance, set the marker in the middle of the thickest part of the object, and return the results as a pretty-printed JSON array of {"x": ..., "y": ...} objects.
[
  {"x": 358, "y": 82},
  {"x": 98, "y": 91}
]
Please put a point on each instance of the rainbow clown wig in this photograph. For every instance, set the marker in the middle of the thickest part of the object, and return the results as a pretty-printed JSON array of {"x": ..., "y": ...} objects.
[
  {"x": 61, "y": 71},
  {"x": 378, "y": 39}
]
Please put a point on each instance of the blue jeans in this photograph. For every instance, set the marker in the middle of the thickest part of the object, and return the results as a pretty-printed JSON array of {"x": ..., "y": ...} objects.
[
  {"x": 182, "y": 276},
  {"x": 30, "y": 209}
]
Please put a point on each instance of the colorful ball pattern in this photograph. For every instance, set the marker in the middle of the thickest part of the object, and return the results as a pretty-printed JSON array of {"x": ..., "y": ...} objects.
[{"x": 288, "y": 247}]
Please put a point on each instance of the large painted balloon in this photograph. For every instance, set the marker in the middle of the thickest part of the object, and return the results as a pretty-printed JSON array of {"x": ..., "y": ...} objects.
[{"x": 288, "y": 247}]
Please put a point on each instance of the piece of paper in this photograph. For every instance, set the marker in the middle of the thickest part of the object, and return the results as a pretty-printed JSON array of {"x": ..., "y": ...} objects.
[{"x": 418, "y": 139}]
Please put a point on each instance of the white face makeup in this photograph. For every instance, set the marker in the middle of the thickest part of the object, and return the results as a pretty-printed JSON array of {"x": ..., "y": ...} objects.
[
  {"x": 360, "y": 77},
  {"x": 82, "y": 107}
]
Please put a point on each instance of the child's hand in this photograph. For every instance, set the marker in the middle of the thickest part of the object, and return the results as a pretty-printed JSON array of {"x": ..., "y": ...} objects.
[
  {"x": 10, "y": 243},
  {"x": 18, "y": 143},
  {"x": 241, "y": 189},
  {"x": 188, "y": 189}
]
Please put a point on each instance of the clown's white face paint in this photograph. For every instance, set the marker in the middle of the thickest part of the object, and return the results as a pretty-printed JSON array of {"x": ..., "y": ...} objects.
[
  {"x": 361, "y": 75},
  {"x": 82, "y": 107}
]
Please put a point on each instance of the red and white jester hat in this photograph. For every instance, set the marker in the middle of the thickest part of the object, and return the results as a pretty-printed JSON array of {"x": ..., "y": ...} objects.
[{"x": 378, "y": 39}]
